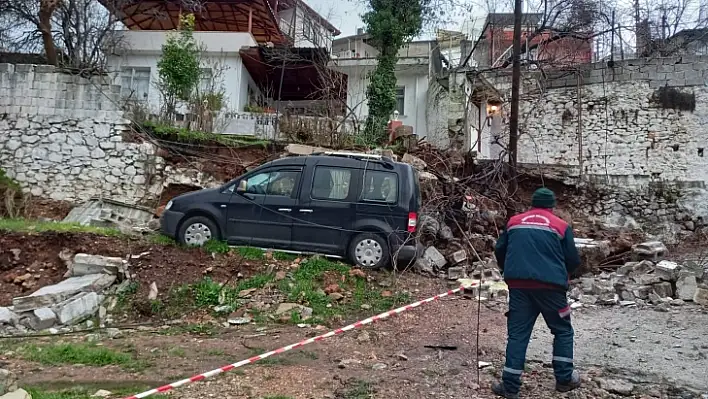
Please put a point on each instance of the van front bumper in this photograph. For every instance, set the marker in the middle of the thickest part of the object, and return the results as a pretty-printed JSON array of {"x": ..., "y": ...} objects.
[{"x": 169, "y": 221}]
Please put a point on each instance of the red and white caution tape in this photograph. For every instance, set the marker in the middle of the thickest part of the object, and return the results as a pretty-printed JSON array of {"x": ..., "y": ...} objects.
[{"x": 254, "y": 359}]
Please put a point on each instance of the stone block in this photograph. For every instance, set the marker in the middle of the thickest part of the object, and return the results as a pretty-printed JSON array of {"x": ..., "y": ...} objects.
[
  {"x": 600, "y": 287},
  {"x": 85, "y": 264},
  {"x": 686, "y": 286},
  {"x": 701, "y": 296},
  {"x": 53, "y": 294},
  {"x": 650, "y": 249},
  {"x": 7, "y": 316},
  {"x": 642, "y": 292},
  {"x": 41, "y": 319},
  {"x": 664, "y": 290},
  {"x": 458, "y": 256},
  {"x": 8, "y": 380},
  {"x": 456, "y": 273},
  {"x": 77, "y": 308},
  {"x": 647, "y": 279},
  {"x": 667, "y": 270},
  {"x": 435, "y": 257}
]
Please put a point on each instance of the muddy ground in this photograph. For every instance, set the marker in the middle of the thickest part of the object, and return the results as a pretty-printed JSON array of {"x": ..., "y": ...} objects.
[
  {"x": 387, "y": 360},
  {"x": 39, "y": 256}
]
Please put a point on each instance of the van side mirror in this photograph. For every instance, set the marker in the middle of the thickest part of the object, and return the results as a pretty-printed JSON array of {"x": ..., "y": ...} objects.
[{"x": 242, "y": 186}]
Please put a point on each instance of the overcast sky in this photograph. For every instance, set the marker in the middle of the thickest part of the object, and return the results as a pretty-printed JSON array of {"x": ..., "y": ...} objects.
[{"x": 346, "y": 16}]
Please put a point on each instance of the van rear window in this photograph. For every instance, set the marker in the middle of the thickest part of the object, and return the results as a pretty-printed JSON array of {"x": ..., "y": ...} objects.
[{"x": 380, "y": 187}]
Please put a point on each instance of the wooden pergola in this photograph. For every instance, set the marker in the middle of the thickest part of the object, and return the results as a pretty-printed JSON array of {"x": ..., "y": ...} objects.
[{"x": 254, "y": 16}]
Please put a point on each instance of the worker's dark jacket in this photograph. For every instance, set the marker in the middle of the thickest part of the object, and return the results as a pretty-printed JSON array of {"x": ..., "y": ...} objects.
[{"x": 537, "y": 250}]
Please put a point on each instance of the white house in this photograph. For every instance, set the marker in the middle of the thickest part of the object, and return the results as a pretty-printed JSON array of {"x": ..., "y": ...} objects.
[
  {"x": 228, "y": 32},
  {"x": 354, "y": 57}
]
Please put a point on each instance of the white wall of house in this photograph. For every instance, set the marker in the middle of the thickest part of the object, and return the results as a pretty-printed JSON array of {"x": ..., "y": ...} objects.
[
  {"x": 135, "y": 67},
  {"x": 412, "y": 83},
  {"x": 306, "y": 31}
]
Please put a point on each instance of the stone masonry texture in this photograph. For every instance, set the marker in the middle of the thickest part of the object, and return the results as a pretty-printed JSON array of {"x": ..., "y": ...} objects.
[
  {"x": 62, "y": 137},
  {"x": 607, "y": 127}
]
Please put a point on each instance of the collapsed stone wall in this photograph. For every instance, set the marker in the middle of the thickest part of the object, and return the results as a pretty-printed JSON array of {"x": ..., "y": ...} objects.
[
  {"x": 62, "y": 137},
  {"x": 638, "y": 129}
]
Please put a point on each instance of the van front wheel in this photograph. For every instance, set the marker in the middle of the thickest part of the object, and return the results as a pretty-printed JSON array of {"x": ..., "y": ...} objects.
[{"x": 369, "y": 251}]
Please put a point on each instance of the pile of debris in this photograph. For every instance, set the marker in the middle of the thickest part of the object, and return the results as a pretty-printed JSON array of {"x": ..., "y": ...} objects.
[
  {"x": 644, "y": 282},
  {"x": 76, "y": 299}
]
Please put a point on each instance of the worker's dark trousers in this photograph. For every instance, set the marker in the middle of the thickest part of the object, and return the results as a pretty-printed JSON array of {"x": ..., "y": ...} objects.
[{"x": 524, "y": 308}]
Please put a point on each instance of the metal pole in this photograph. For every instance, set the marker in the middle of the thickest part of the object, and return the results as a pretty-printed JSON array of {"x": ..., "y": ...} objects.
[
  {"x": 612, "y": 39},
  {"x": 515, "y": 89}
]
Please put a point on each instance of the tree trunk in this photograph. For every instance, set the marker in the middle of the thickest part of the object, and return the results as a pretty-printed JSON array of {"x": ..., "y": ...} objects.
[{"x": 45, "y": 27}]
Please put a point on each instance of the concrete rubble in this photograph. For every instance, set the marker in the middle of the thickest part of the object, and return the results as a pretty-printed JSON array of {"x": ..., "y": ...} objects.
[
  {"x": 643, "y": 283},
  {"x": 71, "y": 301}
]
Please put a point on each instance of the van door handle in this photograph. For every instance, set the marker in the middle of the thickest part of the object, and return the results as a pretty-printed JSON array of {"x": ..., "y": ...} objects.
[
  {"x": 284, "y": 210},
  {"x": 306, "y": 210}
]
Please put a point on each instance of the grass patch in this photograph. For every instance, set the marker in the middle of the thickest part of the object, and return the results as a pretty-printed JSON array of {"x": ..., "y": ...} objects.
[
  {"x": 79, "y": 353},
  {"x": 219, "y": 247},
  {"x": 277, "y": 255},
  {"x": 360, "y": 390},
  {"x": 183, "y": 135},
  {"x": 250, "y": 253},
  {"x": 306, "y": 287},
  {"x": 161, "y": 239},
  {"x": 85, "y": 392},
  {"x": 36, "y": 226}
]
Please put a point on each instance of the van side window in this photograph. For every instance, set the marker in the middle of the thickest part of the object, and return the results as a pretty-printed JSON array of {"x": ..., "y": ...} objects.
[
  {"x": 380, "y": 186},
  {"x": 279, "y": 182},
  {"x": 331, "y": 183}
]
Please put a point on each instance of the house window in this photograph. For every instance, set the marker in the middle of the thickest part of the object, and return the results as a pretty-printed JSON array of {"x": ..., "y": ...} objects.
[
  {"x": 400, "y": 100},
  {"x": 307, "y": 28},
  {"x": 135, "y": 83},
  {"x": 206, "y": 81}
]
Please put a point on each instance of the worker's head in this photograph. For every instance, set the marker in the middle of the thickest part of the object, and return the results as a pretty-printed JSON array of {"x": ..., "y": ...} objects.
[{"x": 543, "y": 198}]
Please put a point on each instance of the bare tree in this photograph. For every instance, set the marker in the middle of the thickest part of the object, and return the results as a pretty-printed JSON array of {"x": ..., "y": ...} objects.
[{"x": 74, "y": 33}]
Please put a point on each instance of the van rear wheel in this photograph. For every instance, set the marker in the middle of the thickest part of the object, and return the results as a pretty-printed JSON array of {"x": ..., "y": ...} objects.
[{"x": 369, "y": 251}]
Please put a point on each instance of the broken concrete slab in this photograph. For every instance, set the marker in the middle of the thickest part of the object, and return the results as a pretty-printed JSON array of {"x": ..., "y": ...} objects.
[
  {"x": 77, "y": 308},
  {"x": 53, "y": 294},
  {"x": 301, "y": 149},
  {"x": 290, "y": 307},
  {"x": 8, "y": 317},
  {"x": 600, "y": 287},
  {"x": 642, "y": 292},
  {"x": 642, "y": 267},
  {"x": 435, "y": 257},
  {"x": 17, "y": 394},
  {"x": 41, "y": 319},
  {"x": 85, "y": 264},
  {"x": 423, "y": 266},
  {"x": 686, "y": 286}
]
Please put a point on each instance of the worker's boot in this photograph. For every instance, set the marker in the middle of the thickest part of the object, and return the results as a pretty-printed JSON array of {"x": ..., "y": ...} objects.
[
  {"x": 574, "y": 383},
  {"x": 499, "y": 390}
]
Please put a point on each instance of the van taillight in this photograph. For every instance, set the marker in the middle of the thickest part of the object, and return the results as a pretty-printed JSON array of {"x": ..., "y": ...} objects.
[{"x": 412, "y": 222}]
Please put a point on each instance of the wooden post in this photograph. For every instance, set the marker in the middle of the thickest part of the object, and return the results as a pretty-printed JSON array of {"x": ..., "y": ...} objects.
[{"x": 250, "y": 18}]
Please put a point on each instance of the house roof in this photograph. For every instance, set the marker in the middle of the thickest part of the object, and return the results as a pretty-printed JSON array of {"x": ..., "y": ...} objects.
[
  {"x": 213, "y": 15},
  {"x": 507, "y": 19},
  {"x": 691, "y": 35},
  {"x": 288, "y": 4}
]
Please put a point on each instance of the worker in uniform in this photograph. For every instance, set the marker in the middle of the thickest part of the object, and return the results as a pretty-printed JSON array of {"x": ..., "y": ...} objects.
[{"x": 536, "y": 253}]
